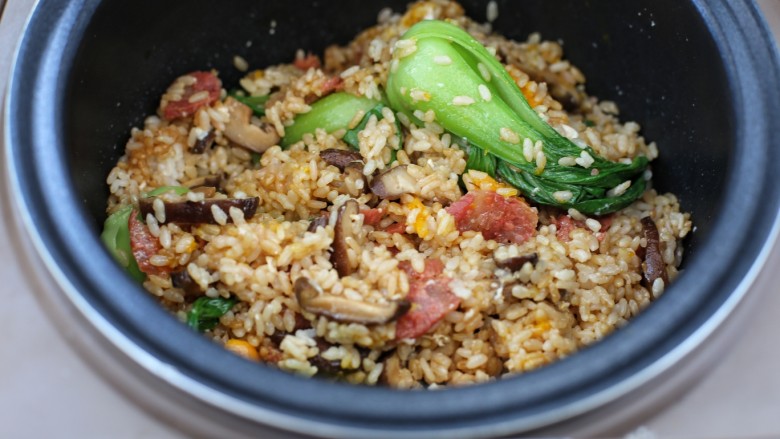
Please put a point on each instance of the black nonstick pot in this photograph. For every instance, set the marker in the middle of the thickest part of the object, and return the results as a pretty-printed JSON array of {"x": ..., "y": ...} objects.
[{"x": 702, "y": 77}]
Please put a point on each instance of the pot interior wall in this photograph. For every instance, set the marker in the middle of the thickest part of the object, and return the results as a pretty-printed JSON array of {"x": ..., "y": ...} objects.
[{"x": 654, "y": 58}]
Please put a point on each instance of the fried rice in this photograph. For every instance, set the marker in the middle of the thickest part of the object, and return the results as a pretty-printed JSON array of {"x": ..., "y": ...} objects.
[{"x": 579, "y": 277}]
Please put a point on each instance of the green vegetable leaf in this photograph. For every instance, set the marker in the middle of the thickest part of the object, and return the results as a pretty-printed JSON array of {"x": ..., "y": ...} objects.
[
  {"x": 588, "y": 200},
  {"x": 331, "y": 113},
  {"x": 474, "y": 98},
  {"x": 206, "y": 311},
  {"x": 256, "y": 103},
  {"x": 477, "y": 158},
  {"x": 178, "y": 190},
  {"x": 116, "y": 238},
  {"x": 351, "y": 136}
]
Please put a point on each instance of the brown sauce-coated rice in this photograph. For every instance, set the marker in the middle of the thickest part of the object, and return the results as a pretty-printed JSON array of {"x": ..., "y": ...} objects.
[{"x": 579, "y": 290}]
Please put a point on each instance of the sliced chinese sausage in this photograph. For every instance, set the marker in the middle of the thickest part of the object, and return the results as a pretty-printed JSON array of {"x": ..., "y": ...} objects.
[
  {"x": 242, "y": 132},
  {"x": 503, "y": 219},
  {"x": 344, "y": 231},
  {"x": 311, "y": 299},
  {"x": 393, "y": 183},
  {"x": 144, "y": 245},
  {"x": 432, "y": 301},
  {"x": 431, "y": 298},
  {"x": 654, "y": 266},
  {"x": 200, "y": 212},
  {"x": 188, "y": 93}
]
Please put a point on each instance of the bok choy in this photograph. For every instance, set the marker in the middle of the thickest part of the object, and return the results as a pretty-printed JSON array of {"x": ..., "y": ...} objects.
[{"x": 439, "y": 67}]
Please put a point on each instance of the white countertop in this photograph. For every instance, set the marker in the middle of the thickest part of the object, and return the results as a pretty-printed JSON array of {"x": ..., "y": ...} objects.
[{"x": 46, "y": 390}]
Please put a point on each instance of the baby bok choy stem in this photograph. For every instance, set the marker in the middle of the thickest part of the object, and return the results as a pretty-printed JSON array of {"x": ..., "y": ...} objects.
[
  {"x": 116, "y": 237},
  {"x": 330, "y": 113},
  {"x": 439, "y": 67}
]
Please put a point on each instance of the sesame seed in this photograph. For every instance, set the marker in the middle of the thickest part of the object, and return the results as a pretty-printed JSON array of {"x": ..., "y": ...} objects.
[
  {"x": 442, "y": 60},
  {"x": 462, "y": 100},
  {"x": 485, "y": 92}
]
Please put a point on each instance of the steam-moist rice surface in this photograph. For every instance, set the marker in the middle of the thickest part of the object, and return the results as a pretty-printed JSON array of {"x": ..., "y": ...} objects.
[{"x": 579, "y": 290}]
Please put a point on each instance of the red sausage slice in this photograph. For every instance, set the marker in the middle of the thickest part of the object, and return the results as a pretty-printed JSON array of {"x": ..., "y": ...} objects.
[
  {"x": 144, "y": 245},
  {"x": 431, "y": 299},
  {"x": 189, "y": 93},
  {"x": 506, "y": 220}
]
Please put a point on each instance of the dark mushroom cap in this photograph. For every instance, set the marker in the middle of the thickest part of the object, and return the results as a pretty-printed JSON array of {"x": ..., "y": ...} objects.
[
  {"x": 199, "y": 212},
  {"x": 393, "y": 183},
  {"x": 311, "y": 299}
]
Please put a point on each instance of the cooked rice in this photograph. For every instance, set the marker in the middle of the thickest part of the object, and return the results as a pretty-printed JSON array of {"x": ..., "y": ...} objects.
[{"x": 580, "y": 290}]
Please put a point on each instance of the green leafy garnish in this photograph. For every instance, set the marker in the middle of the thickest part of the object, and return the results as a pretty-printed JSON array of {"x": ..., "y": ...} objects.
[
  {"x": 256, "y": 156},
  {"x": 474, "y": 98},
  {"x": 331, "y": 113},
  {"x": 178, "y": 190},
  {"x": 351, "y": 136},
  {"x": 256, "y": 103},
  {"x": 206, "y": 311},
  {"x": 116, "y": 238},
  {"x": 477, "y": 158}
]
